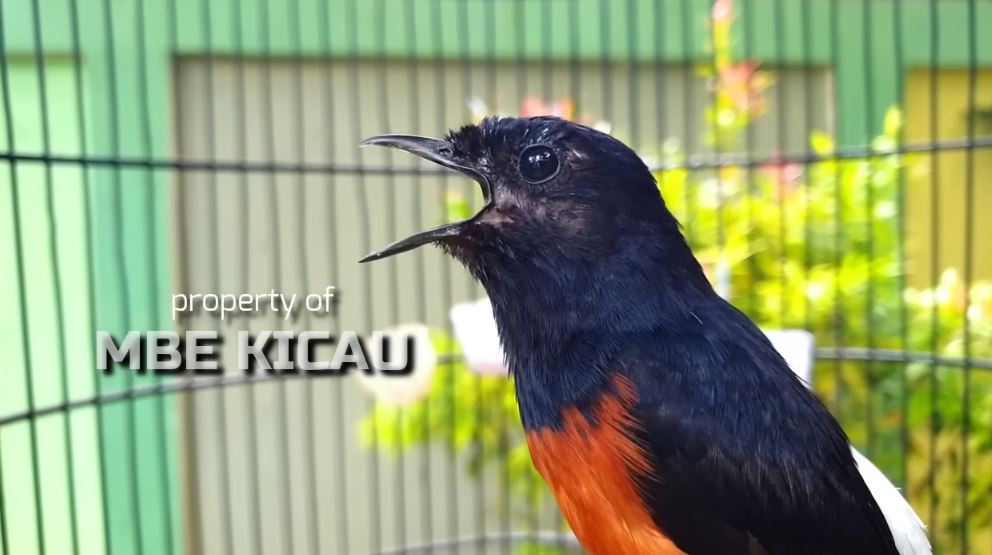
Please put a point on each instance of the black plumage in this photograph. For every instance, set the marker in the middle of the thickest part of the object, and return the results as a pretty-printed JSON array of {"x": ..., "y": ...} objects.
[{"x": 591, "y": 278}]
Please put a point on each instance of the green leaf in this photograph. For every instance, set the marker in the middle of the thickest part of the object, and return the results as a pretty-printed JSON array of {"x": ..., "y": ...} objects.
[
  {"x": 821, "y": 143},
  {"x": 893, "y": 122}
]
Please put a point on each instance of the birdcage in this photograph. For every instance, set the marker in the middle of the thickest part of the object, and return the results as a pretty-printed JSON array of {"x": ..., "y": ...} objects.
[{"x": 829, "y": 162}]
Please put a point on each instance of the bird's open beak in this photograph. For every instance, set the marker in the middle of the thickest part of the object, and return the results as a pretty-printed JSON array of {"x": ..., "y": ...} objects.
[{"x": 440, "y": 152}]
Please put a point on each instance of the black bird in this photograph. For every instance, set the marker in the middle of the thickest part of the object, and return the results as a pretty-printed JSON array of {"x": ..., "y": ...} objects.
[{"x": 661, "y": 416}]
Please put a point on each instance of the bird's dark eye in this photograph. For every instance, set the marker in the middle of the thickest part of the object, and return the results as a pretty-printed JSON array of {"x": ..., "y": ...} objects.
[{"x": 538, "y": 163}]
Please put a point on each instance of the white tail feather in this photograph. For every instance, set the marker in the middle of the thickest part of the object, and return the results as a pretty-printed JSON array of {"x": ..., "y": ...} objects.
[{"x": 908, "y": 530}]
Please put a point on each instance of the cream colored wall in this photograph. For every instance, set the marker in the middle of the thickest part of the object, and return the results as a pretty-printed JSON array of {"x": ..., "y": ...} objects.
[{"x": 364, "y": 99}]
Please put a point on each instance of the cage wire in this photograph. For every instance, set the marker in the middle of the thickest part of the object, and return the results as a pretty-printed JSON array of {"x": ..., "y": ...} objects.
[{"x": 828, "y": 159}]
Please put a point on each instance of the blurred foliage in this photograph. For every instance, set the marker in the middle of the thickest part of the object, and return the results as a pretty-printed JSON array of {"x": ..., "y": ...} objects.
[
  {"x": 819, "y": 247},
  {"x": 816, "y": 245}
]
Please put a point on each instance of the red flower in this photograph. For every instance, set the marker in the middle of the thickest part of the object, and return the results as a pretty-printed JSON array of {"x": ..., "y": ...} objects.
[
  {"x": 722, "y": 11},
  {"x": 533, "y": 106},
  {"x": 743, "y": 85},
  {"x": 783, "y": 173}
]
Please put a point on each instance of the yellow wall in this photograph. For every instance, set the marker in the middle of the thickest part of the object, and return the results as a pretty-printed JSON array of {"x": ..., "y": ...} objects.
[{"x": 944, "y": 176}]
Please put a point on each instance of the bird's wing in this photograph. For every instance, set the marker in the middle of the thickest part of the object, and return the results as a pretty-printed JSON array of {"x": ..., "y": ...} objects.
[
  {"x": 908, "y": 530},
  {"x": 741, "y": 451},
  {"x": 755, "y": 489}
]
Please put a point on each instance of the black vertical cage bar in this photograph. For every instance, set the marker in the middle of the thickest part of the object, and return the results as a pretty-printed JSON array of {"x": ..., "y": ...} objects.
[
  {"x": 721, "y": 271},
  {"x": 53, "y": 256},
  {"x": 483, "y": 404},
  {"x": 719, "y": 268},
  {"x": 526, "y": 62},
  {"x": 420, "y": 311},
  {"x": 660, "y": 81},
  {"x": 77, "y": 74},
  {"x": 574, "y": 59},
  {"x": 869, "y": 98},
  {"x": 521, "y": 62},
  {"x": 490, "y": 95},
  {"x": 424, "y": 470},
  {"x": 465, "y": 64},
  {"x": 327, "y": 78},
  {"x": 343, "y": 539},
  {"x": 272, "y": 195},
  {"x": 120, "y": 267},
  {"x": 303, "y": 267},
  {"x": 661, "y": 93},
  {"x": 749, "y": 142},
  {"x": 606, "y": 59},
  {"x": 451, "y": 513},
  {"x": 473, "y": 286},
  {"x": 806, "y": 45},
  {"x": 309, "y": 451},
  {"x": 151, "y": 216},
  {"x": 969, "y": 243},
  {"x": 904, "y": 386},
  {"x": 22, "y": 310},
  {"x": 688, "y": 51},
  {"x": 364, "y": 241},
  {"x": 548, "y": 67},
  {"x": 934, "y": 156},
  {"x": 508, "y": 523},
  {"x": 213, "y": 208},
  {"x": 547, "y": 35},
  {"x": 443, "y": 269},
  {"x": 507, "y": 492},
  {"x": 778, "y": 34},
  {"x": 575, "y": 66},
  {"x": 194, "y": 537},
  {"x": 244, "y": 257},
  {"x": 838, "y": 309},
  {"x": 380, "y": 16},
  {"x": 633, "y": 76},
  {"x": 4, "y": 544}
]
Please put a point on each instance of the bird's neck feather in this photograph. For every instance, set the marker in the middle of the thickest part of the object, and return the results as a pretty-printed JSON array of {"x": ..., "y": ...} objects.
[{"x": 563, "y": 324}]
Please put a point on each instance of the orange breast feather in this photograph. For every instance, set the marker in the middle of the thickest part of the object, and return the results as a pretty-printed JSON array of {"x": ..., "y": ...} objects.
[{"x": 589, "y": 467}]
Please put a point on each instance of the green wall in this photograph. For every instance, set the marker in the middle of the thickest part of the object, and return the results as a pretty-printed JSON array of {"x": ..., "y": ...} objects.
[
  {"x": 123, "y": 454},
  {"x": 49, "y": 345},
  {"x": 820, "y": 32}
]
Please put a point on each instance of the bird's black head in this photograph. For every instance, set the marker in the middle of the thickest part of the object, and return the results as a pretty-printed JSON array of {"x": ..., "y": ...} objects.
[
  {"x": 555, "y": 193},
  {"x": 573, "y": 236},
  {"x": 574, "y": 244}
]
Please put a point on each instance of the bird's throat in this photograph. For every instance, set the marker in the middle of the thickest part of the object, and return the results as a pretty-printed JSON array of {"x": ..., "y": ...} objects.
[{"x": 563, "y": 324}]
